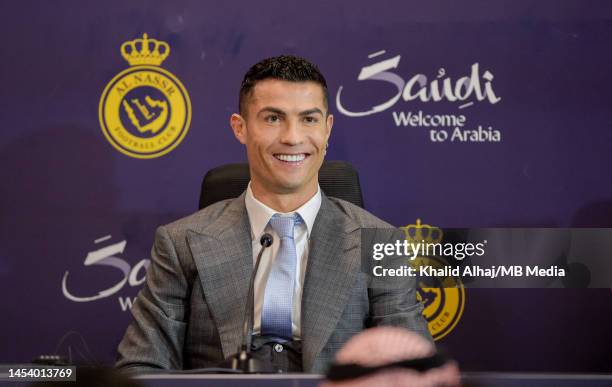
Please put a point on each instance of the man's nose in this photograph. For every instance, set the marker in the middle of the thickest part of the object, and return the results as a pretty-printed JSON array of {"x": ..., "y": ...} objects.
[{"x": 291, "y": 133}]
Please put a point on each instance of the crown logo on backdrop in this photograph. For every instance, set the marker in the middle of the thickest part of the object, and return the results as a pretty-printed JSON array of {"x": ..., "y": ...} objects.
[
  {"x": 145, "y": 51},
  {"x": 417, "y": 233}
]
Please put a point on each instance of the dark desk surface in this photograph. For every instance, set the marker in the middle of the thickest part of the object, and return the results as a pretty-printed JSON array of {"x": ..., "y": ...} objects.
[{"x": 470, "y": 379}]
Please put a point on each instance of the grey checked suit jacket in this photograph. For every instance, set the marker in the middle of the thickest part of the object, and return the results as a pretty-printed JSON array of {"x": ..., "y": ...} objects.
[{"x": 189, "y": 313}]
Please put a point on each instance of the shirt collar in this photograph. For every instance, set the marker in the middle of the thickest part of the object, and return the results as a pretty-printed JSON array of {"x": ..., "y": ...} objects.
[{"x": 260, "y": 214}]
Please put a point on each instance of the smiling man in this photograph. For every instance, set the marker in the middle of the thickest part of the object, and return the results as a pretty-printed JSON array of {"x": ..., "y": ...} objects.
[
  {"x": 310, "y": 296},
  {"x": 285, "y": 125}
]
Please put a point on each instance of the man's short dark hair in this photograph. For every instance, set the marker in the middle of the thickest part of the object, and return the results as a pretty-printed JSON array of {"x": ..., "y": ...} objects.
[{"x": 286, "y": 68}]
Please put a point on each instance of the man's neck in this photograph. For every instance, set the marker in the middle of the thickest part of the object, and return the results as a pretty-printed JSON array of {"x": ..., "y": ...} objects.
[{"x": 283, "y": 202}]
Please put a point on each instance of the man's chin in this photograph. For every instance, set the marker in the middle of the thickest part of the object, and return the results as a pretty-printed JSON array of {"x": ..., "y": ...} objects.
[{"x": 288, "y": 186}]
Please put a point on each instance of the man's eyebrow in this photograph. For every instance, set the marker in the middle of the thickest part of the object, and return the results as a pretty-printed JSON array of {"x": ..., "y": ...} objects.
[
  {"x": 311, "y": 111},
  {"x": 270, "y": 109}
]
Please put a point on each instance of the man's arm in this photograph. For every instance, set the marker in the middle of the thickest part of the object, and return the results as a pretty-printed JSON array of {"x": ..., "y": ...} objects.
[
  {"x": 395, "y": 303},
  {"x": 155, "y": 337},
  {"x": 398, "y": 307}
]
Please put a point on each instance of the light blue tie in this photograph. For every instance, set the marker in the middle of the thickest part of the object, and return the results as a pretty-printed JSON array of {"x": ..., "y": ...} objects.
[{"x": 278, "y": 297}]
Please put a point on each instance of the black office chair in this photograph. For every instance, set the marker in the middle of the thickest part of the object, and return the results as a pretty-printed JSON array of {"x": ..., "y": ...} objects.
[{"x": 336, "y": 178}]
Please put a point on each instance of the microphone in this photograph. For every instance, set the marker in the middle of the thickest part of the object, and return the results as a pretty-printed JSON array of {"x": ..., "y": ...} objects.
[{"x": 242, "y": 360}]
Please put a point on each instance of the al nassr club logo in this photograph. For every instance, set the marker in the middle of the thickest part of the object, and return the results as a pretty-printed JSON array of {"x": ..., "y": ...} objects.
[
  {"x": 145, "y": 111},
  {"x": 443, "y": 298}
]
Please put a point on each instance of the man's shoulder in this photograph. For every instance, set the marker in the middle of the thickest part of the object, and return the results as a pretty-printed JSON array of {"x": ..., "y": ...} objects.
[
  {"x": 358, "y": 215},
  {"x": 201, "y": 219}
]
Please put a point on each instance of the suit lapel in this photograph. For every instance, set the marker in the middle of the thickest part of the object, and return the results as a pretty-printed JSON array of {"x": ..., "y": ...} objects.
[
  {"x": 224, "y": 259},
  {"x": 330, "y": 274}
]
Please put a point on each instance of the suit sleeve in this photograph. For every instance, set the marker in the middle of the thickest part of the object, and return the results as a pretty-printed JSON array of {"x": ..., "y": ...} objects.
[
  {"x": 155, "y": 337},
  {"x": 397, "y": 305}
]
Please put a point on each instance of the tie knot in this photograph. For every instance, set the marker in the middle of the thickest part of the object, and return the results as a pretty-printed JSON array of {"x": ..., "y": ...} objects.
[{"x": 283, "y": 225}]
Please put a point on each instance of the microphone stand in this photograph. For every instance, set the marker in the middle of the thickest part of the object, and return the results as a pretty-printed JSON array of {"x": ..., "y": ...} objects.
[{"x": 243, "y": 360}]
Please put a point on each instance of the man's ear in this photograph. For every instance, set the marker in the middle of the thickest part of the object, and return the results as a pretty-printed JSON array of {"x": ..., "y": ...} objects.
[
  {"x": 238, "y": 125},
  {"x": 329, "y": 122}
]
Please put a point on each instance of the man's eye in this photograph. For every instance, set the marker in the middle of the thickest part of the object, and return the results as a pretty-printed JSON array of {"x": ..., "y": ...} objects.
[
  {"x": 272, "y": 118},
  {"x": 310, "y": 120}
]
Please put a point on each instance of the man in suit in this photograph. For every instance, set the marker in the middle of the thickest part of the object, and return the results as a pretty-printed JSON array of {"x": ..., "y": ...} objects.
[{"x": 310, "y": 296}]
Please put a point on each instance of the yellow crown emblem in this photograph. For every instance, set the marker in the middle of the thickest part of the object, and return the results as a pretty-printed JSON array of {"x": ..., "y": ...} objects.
[
  {"x": 145, "y": 51},
  {"x": 417, "y": 233}
]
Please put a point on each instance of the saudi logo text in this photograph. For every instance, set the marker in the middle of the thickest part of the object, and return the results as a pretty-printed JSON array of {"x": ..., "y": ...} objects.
[
  {"x": 109, "y": 256},
  {"x": 439, "y": 91}
]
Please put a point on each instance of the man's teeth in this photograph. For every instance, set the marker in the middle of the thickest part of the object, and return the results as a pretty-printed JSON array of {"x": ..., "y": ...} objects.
[{"x": 291, "y": 158}]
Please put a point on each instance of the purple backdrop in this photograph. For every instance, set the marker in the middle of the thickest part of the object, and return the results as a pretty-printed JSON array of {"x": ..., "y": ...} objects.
[{"x": 63, "y": 186}]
